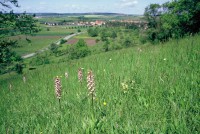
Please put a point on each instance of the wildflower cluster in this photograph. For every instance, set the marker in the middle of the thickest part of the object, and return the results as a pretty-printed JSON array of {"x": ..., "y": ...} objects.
[
  {"x": 128, "y": 84},
  {"x": 124, "y": 87}
]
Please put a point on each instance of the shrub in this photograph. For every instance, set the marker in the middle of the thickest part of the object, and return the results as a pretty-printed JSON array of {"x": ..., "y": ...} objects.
[
  {"x": 116, "y": 46},
  {"x": 62, "y": 41},
  {"x": 97, "y": 40},
  {"x": 19, "y": 68},
  {"x": 79, "y": 50},
  {"x": 127, "y": 42},
  {"x": 105, "y": 46},
  {"x": 93, "y": 32},
  {"x": 113, "y": 35},
  {"x": 79, "y": 30},
  {"x": 53, "y": 47},
  {"x": 39, "y": 60}
]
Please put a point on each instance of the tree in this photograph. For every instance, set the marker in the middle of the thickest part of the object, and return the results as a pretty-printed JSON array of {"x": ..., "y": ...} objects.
[
  {"x": 53, "y": 48},
  {"x": 113, "y": 35},
  {"x": 79, "y": 50},
  {"x": 152, "y": 13},
  {"x": 12, "y": 24},
  {"x": 172, "y": 19},
  {"x": 127, "y": 42},
  {"x": 104, "y": 37},
  {"x": 8, "y": 58},
  {"x": 105, "y": 46},
  {"x": 79, "y": 30},
  {"x": 93, "y": 32}
]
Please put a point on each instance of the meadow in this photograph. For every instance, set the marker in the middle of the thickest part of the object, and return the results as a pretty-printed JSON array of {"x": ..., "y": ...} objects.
[
  {"x": 42, "y": 39},
  {"x": 143, "y": 89}
]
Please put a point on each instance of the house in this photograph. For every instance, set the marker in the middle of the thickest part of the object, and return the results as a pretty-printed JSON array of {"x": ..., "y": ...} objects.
[{"x": 99, "y": 22}]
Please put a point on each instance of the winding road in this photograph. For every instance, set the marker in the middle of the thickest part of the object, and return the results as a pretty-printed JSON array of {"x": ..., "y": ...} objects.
[{"x": 44, "y": 49}]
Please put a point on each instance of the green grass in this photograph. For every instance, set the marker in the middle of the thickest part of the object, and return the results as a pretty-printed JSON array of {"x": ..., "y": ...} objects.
[
  {"x": 161, "y": 93},
  {"x": 37, "y": 43},
  {"x": 55, "y": 19},
  {"x": 56, "y": 30},
  {"x": 84, "y": 36},
  {"x": 42, "y": 39}
]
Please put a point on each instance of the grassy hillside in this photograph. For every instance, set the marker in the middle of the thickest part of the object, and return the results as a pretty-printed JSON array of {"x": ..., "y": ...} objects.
[{"x": 146, "y": 89}]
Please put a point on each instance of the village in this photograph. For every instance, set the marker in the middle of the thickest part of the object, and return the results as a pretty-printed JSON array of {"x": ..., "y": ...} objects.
[{"x": 97, "y": 23}]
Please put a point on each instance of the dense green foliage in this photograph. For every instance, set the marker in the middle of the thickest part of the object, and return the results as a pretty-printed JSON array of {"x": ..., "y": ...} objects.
[
  {"x": 145, "y": 89},
  {"x": 8, "y": 58},
  {"x": 62, "y": 41},
  {"x": 39, "y": 60},
  {"x": 116, "y": 37},
  {"x": 126, "y": 25},
  {"x": 53, "y": 48},
  {"x": 92, "y": 32},
  {"x": 12, "y": 24},
  {"x": 79, "y": 50},
  {"x": 172, "y": 19}
]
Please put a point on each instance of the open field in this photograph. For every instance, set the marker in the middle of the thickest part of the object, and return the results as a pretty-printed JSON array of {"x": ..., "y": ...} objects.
[
  {"x": 144, "y": 89},
  {"x": 57, "y": 30},
  {"x": 37, "y": 43},
  {"x": 47, "y": 35},
  {"x": 89, "y": 41},
  {"x": 89, "y": 17},
  {"x": 84, "y": 36}
]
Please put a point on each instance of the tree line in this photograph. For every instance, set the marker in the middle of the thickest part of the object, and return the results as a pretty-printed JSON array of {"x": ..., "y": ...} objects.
[{"x": 172, "y": 19}]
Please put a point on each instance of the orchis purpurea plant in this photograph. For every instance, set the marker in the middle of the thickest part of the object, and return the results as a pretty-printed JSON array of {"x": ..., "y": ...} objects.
[
  {"x": 91, "y": 85},
  {"x": 58, "y": 88},
  {"x": 80, "y": 75}
]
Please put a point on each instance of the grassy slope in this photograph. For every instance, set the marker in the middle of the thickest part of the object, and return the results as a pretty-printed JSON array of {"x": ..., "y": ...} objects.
[{"x": 161, "y": 96}]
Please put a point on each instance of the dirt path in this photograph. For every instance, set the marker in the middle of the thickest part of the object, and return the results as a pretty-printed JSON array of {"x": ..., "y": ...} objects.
[{"x": 44, "y": 49}]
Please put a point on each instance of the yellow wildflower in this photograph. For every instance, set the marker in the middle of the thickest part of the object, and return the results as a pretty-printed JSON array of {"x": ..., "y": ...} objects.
[{"x": 124, "y": 87}]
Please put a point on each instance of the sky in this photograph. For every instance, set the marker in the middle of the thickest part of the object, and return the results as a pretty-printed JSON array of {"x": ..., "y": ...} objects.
[{"x": 85, "y": 6}]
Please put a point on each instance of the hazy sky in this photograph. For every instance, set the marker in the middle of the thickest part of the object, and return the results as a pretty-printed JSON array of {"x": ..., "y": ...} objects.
[{"x": 85, "y": 6}]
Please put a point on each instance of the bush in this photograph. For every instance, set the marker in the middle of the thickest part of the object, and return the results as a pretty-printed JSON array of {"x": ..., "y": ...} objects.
[
  {"x": 113, "y": 35},
  {"x": 79, "y": 30},
  {"x": 93, "y": 32},
  {"x": 53, "y": 47},
  {"x": 62, "y": 41},
  {"x": 79, "y": 50},
  {"x": 19, "y": 68},
  {"x": 116, "y": 46},
  {"x": 143, "y": 39},
  {"x": 97, "y": 40},
  {"x": 105, "y": 46},
  {"x": 40, "y": 60},
  {"x": 127, "y": 42}
]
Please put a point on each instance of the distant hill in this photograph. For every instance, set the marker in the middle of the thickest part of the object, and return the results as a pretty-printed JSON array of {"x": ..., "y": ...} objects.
[{"x": 79, "y": 14}]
